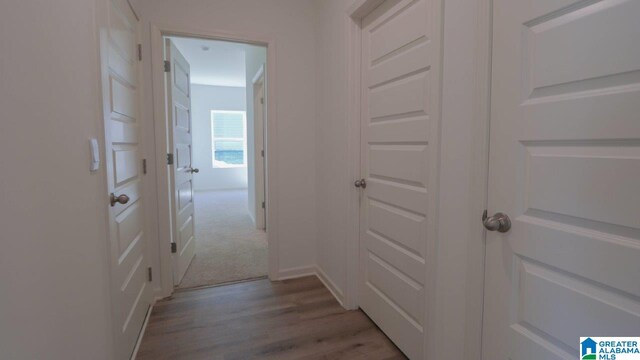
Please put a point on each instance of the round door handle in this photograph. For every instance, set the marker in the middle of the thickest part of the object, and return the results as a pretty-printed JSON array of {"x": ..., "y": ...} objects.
[
  {"x": 362, "y": 183},
  {"x": 193, "y": 170},
  {"x": 120, "y": 199},
  {"x": 498, "y": 222}
]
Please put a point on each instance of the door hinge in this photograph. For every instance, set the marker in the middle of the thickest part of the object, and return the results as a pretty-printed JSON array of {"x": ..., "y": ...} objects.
[
  {"x": 262, "y": 153},
  {"x": 144, "y": 166},
  {"x": 167, "y": 66},
  {"x": 262, "y": 100},
  {"x": 150, "y": 274},
  {"x": 169, "y": 159},
  {"x": 139, "y": 52},
  {"x": 264, "y": 206},
  {"x": 174, "y": 248}
]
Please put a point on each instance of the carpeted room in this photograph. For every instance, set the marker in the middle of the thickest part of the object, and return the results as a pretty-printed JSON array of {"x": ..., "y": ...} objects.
[{"x": 228, "y": 246}]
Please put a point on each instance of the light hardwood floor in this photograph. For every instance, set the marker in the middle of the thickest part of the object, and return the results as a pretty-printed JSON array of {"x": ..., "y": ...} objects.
[{"x": 291, "y": 319}]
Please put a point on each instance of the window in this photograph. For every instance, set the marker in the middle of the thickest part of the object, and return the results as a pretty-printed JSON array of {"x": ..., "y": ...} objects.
[{"x": 229, "y": 138}]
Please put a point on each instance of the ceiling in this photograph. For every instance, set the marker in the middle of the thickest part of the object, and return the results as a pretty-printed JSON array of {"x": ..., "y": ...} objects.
[{"x": 223, "y": 64}]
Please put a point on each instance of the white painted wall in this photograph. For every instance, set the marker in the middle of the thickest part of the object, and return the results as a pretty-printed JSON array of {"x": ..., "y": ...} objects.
[
  {"x": 332, "y": 141},
  {"x": 205, "y": 98},
  {"x": 54, "y": 301},
  {"x": 255, "y": 56},
  {"x": 291, "y": 24}
]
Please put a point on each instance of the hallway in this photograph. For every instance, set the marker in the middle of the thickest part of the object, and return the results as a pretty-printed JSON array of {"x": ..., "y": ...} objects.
[
  {"x": 290, "y": 319},
  {"x": 438, "y": 179},
  {"x": 228, "y": 246}
]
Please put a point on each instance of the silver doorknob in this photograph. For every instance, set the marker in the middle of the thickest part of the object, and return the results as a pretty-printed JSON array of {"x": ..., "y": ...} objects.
[
  {"x": 498, "y": 222},
  {"x": 120, "y": 199},
  {"x": 362, "y": 183},
  {"x": 193, "y": 170}
]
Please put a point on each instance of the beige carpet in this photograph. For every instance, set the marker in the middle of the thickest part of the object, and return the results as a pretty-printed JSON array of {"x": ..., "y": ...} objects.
[{"x": 228, "y": 246}]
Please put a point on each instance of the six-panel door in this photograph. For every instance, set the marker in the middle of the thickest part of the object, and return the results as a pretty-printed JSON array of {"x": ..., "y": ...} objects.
[{"x": 565, "y": 166}]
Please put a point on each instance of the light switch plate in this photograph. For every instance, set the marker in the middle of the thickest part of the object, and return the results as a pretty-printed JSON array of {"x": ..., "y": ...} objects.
[{"x": 95, "y": 154}]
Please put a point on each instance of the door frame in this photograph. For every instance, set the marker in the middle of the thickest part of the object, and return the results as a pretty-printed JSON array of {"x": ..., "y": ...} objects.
[
  {"x": 259, "y": 80},
  {"x": 161, "y": 149},
  {"x": 464, "y": 114}
]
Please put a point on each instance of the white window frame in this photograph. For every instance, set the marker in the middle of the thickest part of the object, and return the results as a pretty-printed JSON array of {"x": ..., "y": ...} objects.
[{"x": 244, "y": 139}]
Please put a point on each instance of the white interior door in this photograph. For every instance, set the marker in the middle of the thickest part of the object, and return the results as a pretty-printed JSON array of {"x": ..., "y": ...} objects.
[
  {"x": 131, "y": 291},
  {"x": 399, "y": 169},
  {"x": 178, "y": 80},
  {"x": 565, "y": 166},
  {"x": 260, "y": 161}
]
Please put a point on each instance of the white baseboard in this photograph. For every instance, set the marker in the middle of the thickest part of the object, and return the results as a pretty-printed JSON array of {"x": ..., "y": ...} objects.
[
  {"x": 296, "y": 272},
  {"x": 316, "y": 271},
  {"x": 141, "y": 335},
  {"x": 220, "y": 189},
  {"x": 285, "y": 274},
  {"x": 329, "y": 284}
]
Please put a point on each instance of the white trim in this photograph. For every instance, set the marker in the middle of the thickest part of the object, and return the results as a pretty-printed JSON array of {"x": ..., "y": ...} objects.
[
  {"x": 142, "y": 331},
  {"x": 361, "y": 8},
  {"x": 259, "y": 80},
  {"x": 133, "y": 10},
  {"x": 162, "y": 176},
  {"x": 459, "y": 287},
  {"x": 258, "y": 76},
  {"x": 296, "y": 272},
  {"x": 335, "y": 290},
  {"x": 218, "y": 189},
  {"x": 314, "y": 270},
  {"x": 480, "y": 160},
  {"x": 161, "y": 133}
]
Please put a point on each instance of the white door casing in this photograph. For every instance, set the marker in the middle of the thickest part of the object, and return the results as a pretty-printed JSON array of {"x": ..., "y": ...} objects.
[
  {"x": 131, "y": 292},
  {"x": 163, "y": 129},
  {"x": 399, "y": 164},
  {"x": 565, "y": 166},
  {"x": 259, "y": 104},
  {"x": 178, "y": 85}
]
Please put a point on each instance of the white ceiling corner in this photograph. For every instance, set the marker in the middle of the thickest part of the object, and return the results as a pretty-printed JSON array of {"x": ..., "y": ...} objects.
[{"x": 222, "y": 65}]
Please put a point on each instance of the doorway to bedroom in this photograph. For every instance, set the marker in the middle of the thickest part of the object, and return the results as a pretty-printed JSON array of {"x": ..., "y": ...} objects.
[{"x": 216, "y": 93}]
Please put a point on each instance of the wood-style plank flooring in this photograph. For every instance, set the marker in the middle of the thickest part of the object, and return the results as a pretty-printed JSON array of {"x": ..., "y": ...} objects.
[{"x": 291, "y": 319}]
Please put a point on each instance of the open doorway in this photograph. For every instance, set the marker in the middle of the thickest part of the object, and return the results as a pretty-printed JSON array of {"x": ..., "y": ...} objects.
[{"x": 215, "y": 98}]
